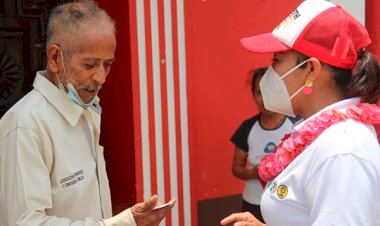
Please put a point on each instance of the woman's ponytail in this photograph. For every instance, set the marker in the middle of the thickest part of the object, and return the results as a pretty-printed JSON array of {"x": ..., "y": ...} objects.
[{"x": 365, "y": 80}]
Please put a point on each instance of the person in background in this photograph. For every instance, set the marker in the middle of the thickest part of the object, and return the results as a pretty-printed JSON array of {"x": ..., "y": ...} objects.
[
  {"x": 326, "y": 171},
  {"x": 52, "y": 168},
  {"x": 255, "y": 138}
]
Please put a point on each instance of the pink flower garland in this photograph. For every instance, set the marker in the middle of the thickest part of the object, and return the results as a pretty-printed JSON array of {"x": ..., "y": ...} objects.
[{"x": 292, "y": 145}]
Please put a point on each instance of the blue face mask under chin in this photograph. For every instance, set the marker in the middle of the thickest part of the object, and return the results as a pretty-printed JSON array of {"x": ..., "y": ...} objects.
[{"x": 72, "y": 93}]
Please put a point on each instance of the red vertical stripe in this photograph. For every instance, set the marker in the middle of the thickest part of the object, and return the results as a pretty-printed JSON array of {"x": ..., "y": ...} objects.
[
  {"x": 152, "y": 134},
  {"x": 136, "y": 100},
  {"x": 188, "y": 5},
  {"x": 177, "y": 112},
  {"x": 164, "y": 103}
]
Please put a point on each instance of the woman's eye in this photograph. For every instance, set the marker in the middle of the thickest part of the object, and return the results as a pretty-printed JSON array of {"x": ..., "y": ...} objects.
[{"x": 274, "y": 59}]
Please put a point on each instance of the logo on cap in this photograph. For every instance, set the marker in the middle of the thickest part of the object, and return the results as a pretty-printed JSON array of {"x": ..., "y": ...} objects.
[{"x": 288, "y": 20}]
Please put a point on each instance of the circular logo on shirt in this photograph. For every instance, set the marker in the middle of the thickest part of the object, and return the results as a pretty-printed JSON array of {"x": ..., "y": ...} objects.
[
  {"x": 273, "y": 186},
  {"x": 269, "y": 148},
  {"x": 282, "y": 191}
]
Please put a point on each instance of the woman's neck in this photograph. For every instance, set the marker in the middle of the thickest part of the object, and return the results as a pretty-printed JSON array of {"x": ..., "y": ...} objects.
[
  {"x": 324, "y": 95},
  {"x": 316, "y": 106}
]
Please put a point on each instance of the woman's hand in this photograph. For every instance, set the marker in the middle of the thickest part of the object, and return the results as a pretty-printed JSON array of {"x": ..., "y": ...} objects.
[{"x": 241, "y": 219}]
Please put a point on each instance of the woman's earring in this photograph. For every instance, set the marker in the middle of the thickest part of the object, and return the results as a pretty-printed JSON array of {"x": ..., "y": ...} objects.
[{"x": 307, "y": 89}]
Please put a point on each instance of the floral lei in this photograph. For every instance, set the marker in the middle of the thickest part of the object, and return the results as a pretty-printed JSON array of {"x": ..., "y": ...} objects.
[{"x": 294, "y": 144}]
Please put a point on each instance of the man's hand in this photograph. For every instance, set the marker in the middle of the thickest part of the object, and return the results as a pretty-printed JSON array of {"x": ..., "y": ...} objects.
[
  {"x": 145, "y": 215},
  {"x": 241, "y": 219}
]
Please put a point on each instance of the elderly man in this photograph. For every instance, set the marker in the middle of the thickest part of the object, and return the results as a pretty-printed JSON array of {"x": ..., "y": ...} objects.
[{"x": 52, "y": 169}]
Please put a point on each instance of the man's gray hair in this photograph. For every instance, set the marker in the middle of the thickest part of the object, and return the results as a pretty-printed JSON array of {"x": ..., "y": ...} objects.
[{"x": 69, "y": 22}]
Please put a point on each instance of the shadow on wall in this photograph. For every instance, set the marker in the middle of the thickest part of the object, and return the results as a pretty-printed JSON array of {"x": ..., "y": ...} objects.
[{"x": 212, "y": 211}]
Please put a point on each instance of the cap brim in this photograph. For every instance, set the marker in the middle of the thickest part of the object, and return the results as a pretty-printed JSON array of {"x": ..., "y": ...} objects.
[{"x": 264, "y": 43}]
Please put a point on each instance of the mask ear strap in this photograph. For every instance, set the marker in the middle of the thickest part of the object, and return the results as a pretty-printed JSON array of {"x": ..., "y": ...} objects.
[
  {"x": 297, "y": 92},
  {"x": 56, "y": 75},
  {"x": 63, "y": 65},
  {"x": 293, "y": 69},
  {"x": 307, "y": 88},
  {"x": 307, "y": 84}
]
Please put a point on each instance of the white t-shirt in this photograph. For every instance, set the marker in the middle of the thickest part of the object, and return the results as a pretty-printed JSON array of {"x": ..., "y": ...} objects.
[
  {"x": 335, "y": 181},
  {"x": 260, "y": 142}
]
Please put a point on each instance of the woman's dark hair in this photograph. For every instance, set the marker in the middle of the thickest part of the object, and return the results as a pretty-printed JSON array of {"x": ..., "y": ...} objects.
[
  {"x": 363, "y": 81},
  {"x": 256, "y": 74}
]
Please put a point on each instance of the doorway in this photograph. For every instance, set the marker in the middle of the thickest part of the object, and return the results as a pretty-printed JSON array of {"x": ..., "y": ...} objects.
[{"x": 23, "y": 26}]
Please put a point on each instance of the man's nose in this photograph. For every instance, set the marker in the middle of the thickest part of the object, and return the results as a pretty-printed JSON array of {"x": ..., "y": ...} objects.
[{"x": 100, "y": 76}]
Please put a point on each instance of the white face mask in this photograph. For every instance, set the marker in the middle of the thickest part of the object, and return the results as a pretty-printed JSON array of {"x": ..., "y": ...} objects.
[{"x": 274, "y": 92}]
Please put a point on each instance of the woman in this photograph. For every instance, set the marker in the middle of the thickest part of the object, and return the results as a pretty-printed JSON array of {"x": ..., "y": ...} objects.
[
  {"x": 255, "y": 138},
  {"x": 328, "y": 171}
]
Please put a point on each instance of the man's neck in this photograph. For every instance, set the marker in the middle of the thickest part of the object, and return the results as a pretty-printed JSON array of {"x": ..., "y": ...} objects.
[{"x": 51, "y": 77}]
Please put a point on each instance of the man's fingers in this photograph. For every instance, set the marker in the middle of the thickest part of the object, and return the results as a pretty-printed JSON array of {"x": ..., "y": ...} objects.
[
  {"x": 231, "y": 218},
  {"x": 145, "y": 214},
  {"x": 150, "y": 203},
  {"x": 160, "y": 206},
  {"x": 162, "y": 212},
  {"x": 235, "y": 217},
  {"x": 167, "y": 208},
  {"x": 145, "y": 206},
  {"x": 172, "y": 202},
  {"x": 153, "y": 199},
  {"x": 242, "y": 223}
]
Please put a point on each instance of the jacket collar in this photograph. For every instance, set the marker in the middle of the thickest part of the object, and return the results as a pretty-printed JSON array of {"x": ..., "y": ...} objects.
[{"x": 67, "y": 108}]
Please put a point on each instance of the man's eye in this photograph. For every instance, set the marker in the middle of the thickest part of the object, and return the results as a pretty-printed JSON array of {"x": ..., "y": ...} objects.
[
  {"x": 89, "y": 66},
  {"x": 108, "y": 65}
]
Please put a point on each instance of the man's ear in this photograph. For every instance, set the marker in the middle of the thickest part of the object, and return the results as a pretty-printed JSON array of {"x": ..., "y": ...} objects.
[
  {"x": 53, "y": 57},
  {"x": 315, "y": 68}
]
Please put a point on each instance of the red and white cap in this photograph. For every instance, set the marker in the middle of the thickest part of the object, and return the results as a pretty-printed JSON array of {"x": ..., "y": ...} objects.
[{"x": 317, "y": 28}]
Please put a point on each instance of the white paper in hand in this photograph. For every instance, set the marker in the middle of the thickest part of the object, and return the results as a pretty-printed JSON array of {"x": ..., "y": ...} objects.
[{"x": 161, "y": 206}]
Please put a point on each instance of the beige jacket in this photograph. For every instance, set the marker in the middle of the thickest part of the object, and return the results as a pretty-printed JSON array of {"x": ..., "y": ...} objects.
[{"x": 52, "y": 169}]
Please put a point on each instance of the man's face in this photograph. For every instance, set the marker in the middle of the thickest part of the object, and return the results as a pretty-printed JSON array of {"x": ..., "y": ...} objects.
[{"x": 87, "y": 69}]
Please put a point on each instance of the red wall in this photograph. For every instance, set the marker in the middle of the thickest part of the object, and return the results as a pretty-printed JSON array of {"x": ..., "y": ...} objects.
[
  {"x": 117, "y": 118},
  {"x": 218, "y": 92},
  {"x": 219, "y": 97}
]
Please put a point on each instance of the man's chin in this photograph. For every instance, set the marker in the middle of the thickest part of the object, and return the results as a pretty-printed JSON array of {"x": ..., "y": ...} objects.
[{"x": 88, "y": 99}]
